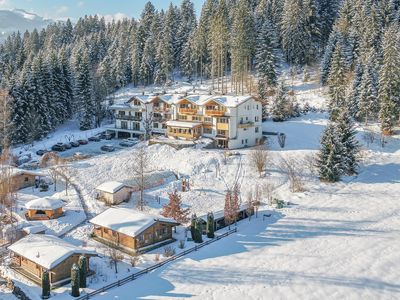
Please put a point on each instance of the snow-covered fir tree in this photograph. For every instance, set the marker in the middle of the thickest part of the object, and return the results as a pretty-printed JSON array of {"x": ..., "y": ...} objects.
[{"x": 337, "y": 82}]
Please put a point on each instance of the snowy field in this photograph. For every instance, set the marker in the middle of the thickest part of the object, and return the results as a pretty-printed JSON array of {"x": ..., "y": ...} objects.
[{"x": 334, "y": 241}]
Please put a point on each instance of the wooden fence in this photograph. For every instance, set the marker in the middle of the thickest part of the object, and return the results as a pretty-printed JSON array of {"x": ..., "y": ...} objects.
[{"x": 153, "y": 267}]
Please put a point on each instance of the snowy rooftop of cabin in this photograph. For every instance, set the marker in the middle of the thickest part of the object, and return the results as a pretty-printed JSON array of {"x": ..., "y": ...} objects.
[
  {"x": 183, "y": 124},
  {"x": 45, "y": 204},
  {"x": 16, "y": 171},
  {"x": 127, "y": 221},
  {"x": 47, "y": 251},
  {"x": 110, "y": 186},
  {"x": 220, "y": 213}
]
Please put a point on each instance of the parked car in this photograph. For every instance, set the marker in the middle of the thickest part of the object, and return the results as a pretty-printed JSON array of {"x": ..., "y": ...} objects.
[
  {"x": 59, "y": 147},
  {"x": 133, "y": 140},
  {"x": 94, "y": 138},
  {"x": 83, "y": 142},
  {"x": 41, "y": 152},
  {"x": 126, "y": 143},
  {"x": 75, "y": 144},
  {"x": 67, "y": 146},
  {"x": 108, "y": 136},
  {"x": 108, "y": 148}
]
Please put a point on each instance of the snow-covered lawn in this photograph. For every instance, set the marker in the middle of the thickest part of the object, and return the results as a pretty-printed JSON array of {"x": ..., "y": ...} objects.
[{"x": 338, "y": 241}]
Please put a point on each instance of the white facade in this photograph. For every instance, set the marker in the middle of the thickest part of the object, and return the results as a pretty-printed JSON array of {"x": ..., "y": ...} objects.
[{"x": 233, "y": 122}]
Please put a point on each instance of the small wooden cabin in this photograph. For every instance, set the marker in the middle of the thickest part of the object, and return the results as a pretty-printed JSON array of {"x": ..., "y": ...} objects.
[
  {"x": 132, "y": 231},
  {"x": 219, "y": 218},
  {"x": 113, "y": 192},
  {"x": 21, "y": 179},
  {"x": 44, "y": 209},
  {"x": 34, "y": 254}
]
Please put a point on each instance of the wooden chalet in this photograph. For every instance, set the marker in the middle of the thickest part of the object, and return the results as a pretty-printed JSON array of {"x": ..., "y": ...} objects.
[
  {"x": 44, "y": 209},
  {"x": 219, "y": 218},
  {"x": 35, "y": 253},
  {"x": 132, "y": 231}
]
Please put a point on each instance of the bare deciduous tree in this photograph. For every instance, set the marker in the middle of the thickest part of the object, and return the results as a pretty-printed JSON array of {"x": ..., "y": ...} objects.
[
  {"x": 54, "y": 176},
  {"x": 293, "y": 169},
  {"x": 259, "y": 158},
  {"x": 115, "y": 256},
  {"x": 139, "y": 168},
  {"x": 65, "y": 174},
  {"x": 257, "y": 198}
]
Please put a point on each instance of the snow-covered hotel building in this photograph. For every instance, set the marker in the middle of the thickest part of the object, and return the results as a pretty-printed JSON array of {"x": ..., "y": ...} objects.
[{"x": 231, "y": 121}]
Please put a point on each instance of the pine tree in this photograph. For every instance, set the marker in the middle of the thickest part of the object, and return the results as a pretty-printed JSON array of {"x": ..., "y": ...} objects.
[
  {"x": 329, "y": 162},
  {"x": 83, "y": 90},
  {"x": 368, "y": 97},
  {"x": 296, "y": 40},
  {"x": 210, "y": 225},
  {"x": 45, "y": 285},
  {"x": 337, "y": 82},
  {"x": 266, "y": 60},
  {"x": 75, "y": 281},
  {"x": 174, "y": 208},
  {"x": 82, "y": 271},
  {"x": 353, "y": 99},
  {"x": 242, "y": 46},
  {"x": 280, "y": 104},
  {"x": 389, "y": 81},
  {"x": 350, "y": 147}
]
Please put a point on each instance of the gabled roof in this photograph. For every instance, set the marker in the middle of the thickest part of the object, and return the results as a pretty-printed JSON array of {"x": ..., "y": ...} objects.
[
  {"x": 128, "y": 221},
  {"x": 229, "y": 101},
  {"x": 196, "y": 99},
  {"x": 47, "y": 251},
  {"x": 110, "y": 186},
  {"x": 45, "y": 204},
  {"x": 16, "y": 171}
]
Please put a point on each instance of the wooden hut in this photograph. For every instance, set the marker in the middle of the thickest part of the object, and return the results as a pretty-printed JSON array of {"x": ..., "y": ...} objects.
[
  {"x": 44, "y": 209},
  {"x": 21, "y": 179},
  {"x": 132, "y": 231},
  {"x": 219, "y": 217},
  {"x": 34, "y": 254},
  {"x": 113, "y": 192}
]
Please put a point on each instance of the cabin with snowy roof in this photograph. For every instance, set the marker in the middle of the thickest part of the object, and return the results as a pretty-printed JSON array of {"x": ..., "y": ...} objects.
[
  {"x": 44, "y": 209},
  {"x": 21, "y": 179},
  {"x": 113, "y": 192},
  {"x": 132, "y": 231},
  {"x": 34, "y": 254}
]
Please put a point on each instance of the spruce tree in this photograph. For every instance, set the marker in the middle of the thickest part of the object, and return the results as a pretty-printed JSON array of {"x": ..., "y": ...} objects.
[
  {"x": 353, "y": 99},
  {"x": 329, "y": 161},
  {"x": 389, "y": 81},
  {"x": 45, "y": 285},
  {"x": 75, "y": 281},
  {"x": 82, "y": 271},
  {"x": 337, "y": 82},
  {"x": 280, "y": 105},
  {"x": 346, "y": 136},
  {"x": 210, "y": 225}
]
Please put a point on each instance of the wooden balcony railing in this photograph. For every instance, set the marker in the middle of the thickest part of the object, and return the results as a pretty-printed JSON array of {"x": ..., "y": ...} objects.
[
  {"x": 215, "y": 113},
  {"x": 188, "y": 111}
]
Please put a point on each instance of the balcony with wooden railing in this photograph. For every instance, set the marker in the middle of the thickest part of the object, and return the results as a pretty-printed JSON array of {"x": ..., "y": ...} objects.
[
  {"x": 188, "y": 111},
  {"x": 215, "y": 112},
  {"x": 161, "y": 109}
]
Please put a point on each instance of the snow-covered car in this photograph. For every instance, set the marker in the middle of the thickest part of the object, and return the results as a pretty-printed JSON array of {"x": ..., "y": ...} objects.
[
  {"x": 67, "y": 146},
  {"x": 59, "y": 147},
  {"x": 23, "y": 159},
  {"x": 75, "y": 144},
  {"x": 41, "y": 152},
  {"x": 134, "y": 140},
  {"x": 94, "y": 138},
  {"x": 108, "y": 148},
  {"x": 126, "y": 143},
  {"x": 83, "y": 142}
]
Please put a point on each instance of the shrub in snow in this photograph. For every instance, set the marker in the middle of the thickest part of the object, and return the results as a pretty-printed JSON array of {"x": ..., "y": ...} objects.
[
  {"x": 75, "y": 281},
  {"x": 82, "y": 271},
  {"x": 134, "y": 260},
  {"x": 157, "y": 257},
  {"x": 169, "y": 251},
  {"x": 45, "y": 285},
  {"x": 182, "y": 244}
]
